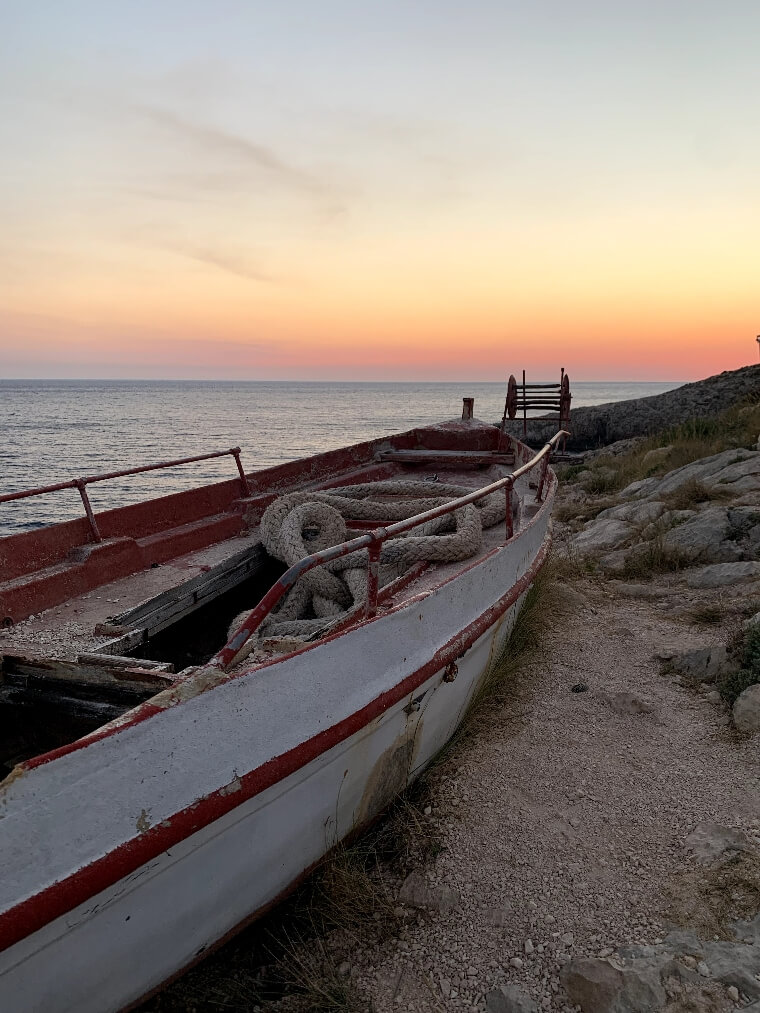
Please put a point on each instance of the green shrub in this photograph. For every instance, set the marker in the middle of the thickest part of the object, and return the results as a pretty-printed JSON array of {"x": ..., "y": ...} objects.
[{"x": 747, "y": 648}]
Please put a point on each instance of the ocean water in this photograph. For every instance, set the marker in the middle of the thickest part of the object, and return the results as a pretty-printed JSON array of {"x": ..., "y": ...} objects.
[{"x": 55, "y": 430}]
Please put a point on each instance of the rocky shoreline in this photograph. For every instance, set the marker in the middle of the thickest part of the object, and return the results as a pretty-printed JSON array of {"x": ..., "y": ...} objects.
[{"x": 600, "y": 425}]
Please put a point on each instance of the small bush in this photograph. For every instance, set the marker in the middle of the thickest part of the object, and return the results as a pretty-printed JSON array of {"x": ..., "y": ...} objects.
[
  {"x": 747, "y": 648},
  {"x": 689, "y": 495},
  {"x": 705, "y": 615},
  {"x": 582, "y": 510}
]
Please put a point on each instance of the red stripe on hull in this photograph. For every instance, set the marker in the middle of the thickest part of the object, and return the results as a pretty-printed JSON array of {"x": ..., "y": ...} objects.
[{"x": 34, "y": 913}]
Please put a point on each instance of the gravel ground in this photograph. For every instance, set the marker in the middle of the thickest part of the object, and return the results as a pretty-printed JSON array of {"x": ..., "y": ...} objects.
[{"x": 563, "y": 820}]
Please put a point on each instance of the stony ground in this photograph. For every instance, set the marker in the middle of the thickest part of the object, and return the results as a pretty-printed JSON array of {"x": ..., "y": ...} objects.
[{"x": 564, "y": 821}]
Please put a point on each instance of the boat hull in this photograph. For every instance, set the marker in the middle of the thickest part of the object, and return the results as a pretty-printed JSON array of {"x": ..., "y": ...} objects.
[{"x": 195, "y": 822}]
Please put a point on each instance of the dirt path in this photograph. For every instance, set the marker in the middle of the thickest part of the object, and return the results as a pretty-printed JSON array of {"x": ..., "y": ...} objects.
[{"x": 563, "y": 819}]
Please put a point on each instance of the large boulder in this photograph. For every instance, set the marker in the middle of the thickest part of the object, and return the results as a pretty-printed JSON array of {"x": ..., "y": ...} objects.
[
  {"x": 509, "y": 999},
  {"x": 706, "y": 536},
  {"x": 712, "y": 841},
  {"x": 605, "y": 534},
  {"x": 654, "y": 458},
  {"x": 746, "y": 711},
  {"x": 634, "y": 513},
  {"x": 734, "y": 471},
  {"x": 600, "y": 985},
  {"x": 722, "y": 574},
  {"x": 704, "y": 664}
]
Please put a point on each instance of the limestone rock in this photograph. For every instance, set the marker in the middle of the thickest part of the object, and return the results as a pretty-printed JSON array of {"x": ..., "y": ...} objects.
[
  {"x": 600, "y": 986},
  {"x": 746, "y": 710},
  {"x": 509, "y": 999},
  {"x": 706, "y": 536},
  {"x": 654, "y": 458},
  {"x": 634, "y": 513},
  {"x": 704, "y": 664},
  {"x": 722, "y": 574},
  {"x": 727, "y": 468},
  {"x": 417, "y": 892},
  {"x": 625, "y": 702},
  {"x": 712, "y": 841},
  {"x": 606, "y": 534},
  {"x": 640, "y": 489},
  {"x": 734, "y": 964}
]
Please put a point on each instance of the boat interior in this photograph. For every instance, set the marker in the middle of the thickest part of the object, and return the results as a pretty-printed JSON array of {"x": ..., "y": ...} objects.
[{"x": 91, "y": 629}]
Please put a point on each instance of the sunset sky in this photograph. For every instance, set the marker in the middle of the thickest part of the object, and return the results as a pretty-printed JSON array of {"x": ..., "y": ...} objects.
[{"x": 397, "y": 190}]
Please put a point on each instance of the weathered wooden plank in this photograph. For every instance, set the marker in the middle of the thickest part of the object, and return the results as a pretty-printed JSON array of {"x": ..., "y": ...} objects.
[
  {"x": 156, "y": 613},
  {"x": 120, "y": 661},
  {"x": 64, "y": 705},
  {"x": 136, "y": 680}
]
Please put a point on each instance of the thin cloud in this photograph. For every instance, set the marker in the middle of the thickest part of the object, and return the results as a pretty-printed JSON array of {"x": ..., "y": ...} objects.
[
  {"x": 224, "y": 261},
  {"x": 260, "y": 158}
]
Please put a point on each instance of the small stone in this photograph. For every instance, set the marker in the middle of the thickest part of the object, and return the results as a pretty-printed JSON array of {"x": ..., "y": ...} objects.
[
  {"x": 344, "y": 969},
  {"x": 689, "y": 961},
  {"x": 528, "y": 946},
  {"x": 733, "y": 993},
  {"x": 428, "y": 810},
  {"x": 703, "y": 969},
  {"x": 516, "y": 962},
  {"x": 567, "y": 938}
]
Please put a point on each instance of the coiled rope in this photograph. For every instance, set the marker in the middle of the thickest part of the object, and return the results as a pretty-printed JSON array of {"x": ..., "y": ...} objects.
[{"x": 301, "y": 523}]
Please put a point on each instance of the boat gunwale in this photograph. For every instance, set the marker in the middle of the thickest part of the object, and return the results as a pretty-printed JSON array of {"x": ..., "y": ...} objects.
[
  {"x": 56, "y": 900},
  {"x": 178, "y": 694}
]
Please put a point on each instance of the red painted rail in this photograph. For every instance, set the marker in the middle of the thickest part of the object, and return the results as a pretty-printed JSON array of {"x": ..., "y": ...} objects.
[
  {"x": 81, "y": 483},
  {"x": 373, "y": 541}
]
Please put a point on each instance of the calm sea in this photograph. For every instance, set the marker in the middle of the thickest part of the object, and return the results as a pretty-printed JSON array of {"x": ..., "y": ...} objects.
[{"x": 54, "y": 430}]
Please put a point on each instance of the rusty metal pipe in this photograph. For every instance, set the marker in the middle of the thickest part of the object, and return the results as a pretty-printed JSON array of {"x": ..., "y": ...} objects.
[
  {"x": 508, "y": 520},
  {"x": 162, "y": 464},
  {"x": 81, "y": 485},
  {"x": 373, "y": 574},
  {"x": 243, "y": 480},
  {"x": 25, "y": 493}
]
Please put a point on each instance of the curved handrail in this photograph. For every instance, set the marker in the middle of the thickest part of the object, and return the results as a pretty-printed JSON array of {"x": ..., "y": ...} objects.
[
  {"x": 373, "y": 541},
  {"x": 81, "y": 483}
]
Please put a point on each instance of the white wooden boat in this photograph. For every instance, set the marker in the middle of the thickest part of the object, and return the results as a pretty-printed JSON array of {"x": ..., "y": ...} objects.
[{"x": 170, "y": 809}]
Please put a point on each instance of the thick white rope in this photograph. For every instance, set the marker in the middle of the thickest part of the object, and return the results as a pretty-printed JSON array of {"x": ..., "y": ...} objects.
[{"x": 301, "y": 523}]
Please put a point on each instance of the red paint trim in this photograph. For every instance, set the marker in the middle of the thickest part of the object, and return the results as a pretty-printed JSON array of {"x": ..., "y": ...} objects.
[{"x": 32, "y": 914}]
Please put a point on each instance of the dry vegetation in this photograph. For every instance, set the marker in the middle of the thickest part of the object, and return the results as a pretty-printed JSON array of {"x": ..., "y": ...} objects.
[{"x": 698, "y": 438}]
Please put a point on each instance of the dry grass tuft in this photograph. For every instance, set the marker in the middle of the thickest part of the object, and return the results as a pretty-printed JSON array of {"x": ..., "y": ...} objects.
[
  {"x": 654, "y": 557},
  {"x": 705, "y": 614},
  {"x": 691, "y": 441},
  {"x": 708, "y": 899},
  {"x": 583, "y": 510},
  {"x": 694, "y": 492},
  {"x": 311, "y": 979}
]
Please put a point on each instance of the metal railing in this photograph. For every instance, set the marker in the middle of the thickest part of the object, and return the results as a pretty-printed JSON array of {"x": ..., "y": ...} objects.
[
  {"x": 81, "y": 483},
  {"x": 373, "y": 541}
]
